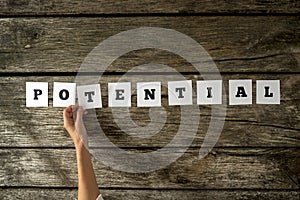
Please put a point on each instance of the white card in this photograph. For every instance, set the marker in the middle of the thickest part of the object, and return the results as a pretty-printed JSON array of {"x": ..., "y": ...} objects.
[
  {"x": 180, "y": 92},
  {"x": 89, "y": 96},
  {"x": 148, "y": 94},
  {"x": 209, "y": 92},
  {"x": 64, "y": 94},
  {"x": 240, "y": 92},
  {"x": 268, "y": 91},
  {"x": 36, "y": 94},
  {"x": 119, "y": 94}
]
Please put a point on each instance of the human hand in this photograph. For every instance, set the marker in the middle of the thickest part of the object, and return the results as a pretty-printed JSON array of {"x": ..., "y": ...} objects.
[{"x": 73, "y": 123}]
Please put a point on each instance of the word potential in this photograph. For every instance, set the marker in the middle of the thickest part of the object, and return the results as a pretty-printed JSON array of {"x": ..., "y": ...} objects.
[{"x": 149, "y": 93}]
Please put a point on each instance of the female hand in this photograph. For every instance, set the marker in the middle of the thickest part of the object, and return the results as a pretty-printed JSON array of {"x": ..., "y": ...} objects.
[{"x": 73, "y": 123}]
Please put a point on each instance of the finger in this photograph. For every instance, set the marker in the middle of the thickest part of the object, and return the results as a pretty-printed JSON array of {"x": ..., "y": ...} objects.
[
  {"x": 75, "y": 108},
  {"x": 85, "y": 112},
  {"x": 81, "y": 111},
  {"x": 66, "y": 111},
  {"x": 70, "y": 108}
]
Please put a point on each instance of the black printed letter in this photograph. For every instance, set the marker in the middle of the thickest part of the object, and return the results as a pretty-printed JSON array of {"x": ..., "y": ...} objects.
[
  {"x": 89, "y": 94},
  {"x": 37, "y": 92},
  {"x": 241, "y": 91},
  {"x": 209, "y": 92},
  {"x": 119, "y": 94},
  {"x": 267, "y": 92},
  {"x": 180, "y": 90},
  {"x": 149, "y": 94},
  {"x": 64, "y": 97}
]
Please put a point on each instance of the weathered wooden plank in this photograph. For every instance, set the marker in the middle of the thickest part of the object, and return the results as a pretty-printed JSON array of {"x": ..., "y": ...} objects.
[
  {"x": 59, "y": 7},
  {"x": 28, "y": 193},
  {"x": 33, "y": 193},
  {"x": 274, "y": 125},
  {"x": 237, "y": 44},
  {"x": 42, "y": 128},
  {"x": 227, "y": 169}
]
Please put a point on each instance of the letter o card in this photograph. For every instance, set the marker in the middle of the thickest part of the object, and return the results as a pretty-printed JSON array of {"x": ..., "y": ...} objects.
[
  {"x": 64, "y": 94},
  {"x": 36, "y": 94}
]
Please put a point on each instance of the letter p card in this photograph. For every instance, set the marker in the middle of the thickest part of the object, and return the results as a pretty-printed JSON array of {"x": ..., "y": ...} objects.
[{"x": 36, "y": 94}]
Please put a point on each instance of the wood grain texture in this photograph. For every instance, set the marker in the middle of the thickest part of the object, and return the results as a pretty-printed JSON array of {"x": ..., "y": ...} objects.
[
  {"x": 60, "y": 7},
  {"x": 245, "y": 126},
  {"x": 252, "y": 168},
  {"x": 236, "y": 43},
  {"x": 54, "y": 194},
  {"x": 257, "y": 155}
]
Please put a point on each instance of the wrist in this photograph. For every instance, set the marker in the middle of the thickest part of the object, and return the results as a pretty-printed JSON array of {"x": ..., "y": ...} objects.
[
  {"x": 78, "y": 143},
  {"x": 81, "y": 151}
]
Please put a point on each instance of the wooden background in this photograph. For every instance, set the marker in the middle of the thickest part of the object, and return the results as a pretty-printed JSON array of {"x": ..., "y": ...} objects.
[{"x": 257, "y": 155}]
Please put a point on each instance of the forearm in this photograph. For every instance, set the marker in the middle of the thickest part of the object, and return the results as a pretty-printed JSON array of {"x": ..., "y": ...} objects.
[{"x": 87, "y": 184}]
